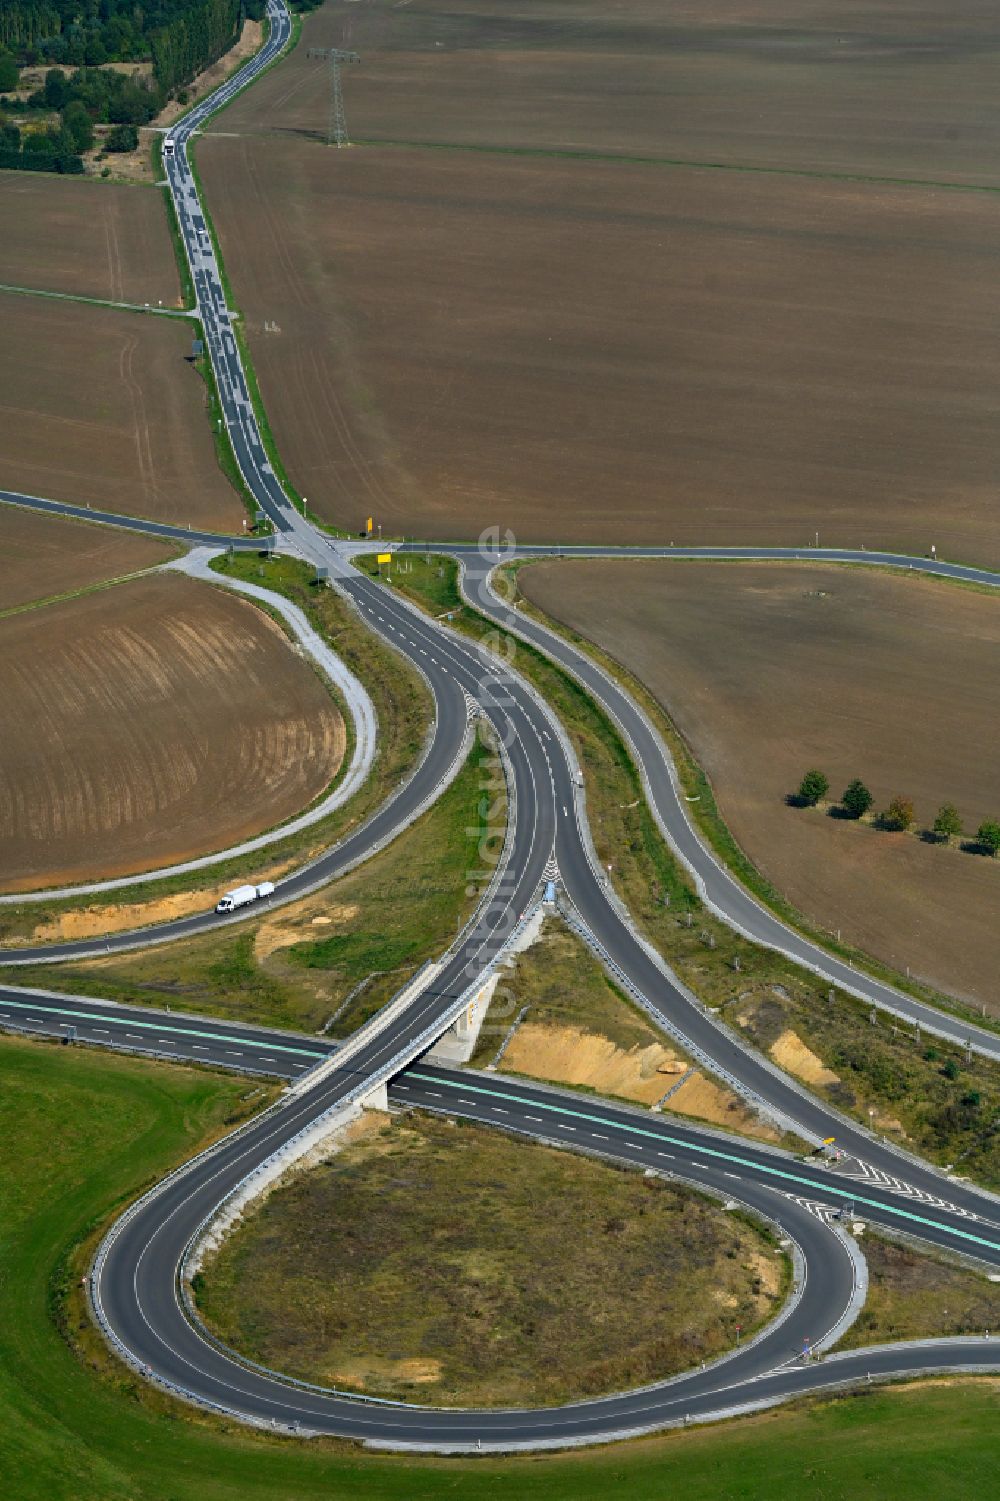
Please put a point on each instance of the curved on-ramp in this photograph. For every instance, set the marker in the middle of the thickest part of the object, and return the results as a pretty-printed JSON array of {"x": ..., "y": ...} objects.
[{"x": 135, "y": 1283}]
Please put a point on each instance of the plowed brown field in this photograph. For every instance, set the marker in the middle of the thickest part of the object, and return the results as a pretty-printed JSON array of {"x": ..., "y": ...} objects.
[
  {"x": 149, "y": 723},
  {"x": 65, "y": 234},
  {"x": 99, "y": 407},
  {"x": 770, "y": 670},
  {"x": 888, "y": 87},
  {"x": 46, "y": 555},
  {"x": 609, "y": 348}
]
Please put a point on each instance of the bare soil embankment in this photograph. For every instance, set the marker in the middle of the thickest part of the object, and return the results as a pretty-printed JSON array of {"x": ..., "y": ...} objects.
[
  {"x": 555, "y": 1015},
  {"x": 150, "y": 723},
  {"x": 100, "y": 407},
  {"x": 768, "y": 670}
]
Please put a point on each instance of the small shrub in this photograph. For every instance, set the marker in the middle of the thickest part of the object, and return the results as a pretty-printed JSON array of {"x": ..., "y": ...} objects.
[
  {"x": 988, "y": 836},
  {"x": 122, "y": 138},
  {"x": 898, "y": 815},
  {"x": 948, "y": 822},
  {"x": 814, "y": 785},
  {"x": 857, "y": 799},
  {"x": 951, "y": 1069}
]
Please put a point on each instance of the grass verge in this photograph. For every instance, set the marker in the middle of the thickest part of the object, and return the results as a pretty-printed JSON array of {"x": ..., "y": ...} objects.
[
  {"x": 939, "y": 1102},
  {"x": 916, "y": 1294},
  {"x": 260, "y": 411},
  {"x": 562, "y": 985},
  {"x": 225, "y": 455},
  {"x": 81, "y": 1429}
]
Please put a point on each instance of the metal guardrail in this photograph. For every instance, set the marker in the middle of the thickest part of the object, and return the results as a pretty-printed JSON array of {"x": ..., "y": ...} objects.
[{"x": 412, "y": 1049}]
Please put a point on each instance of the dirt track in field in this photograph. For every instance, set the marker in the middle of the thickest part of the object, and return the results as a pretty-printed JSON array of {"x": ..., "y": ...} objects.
[
  {"x": 149, "y": 723},
  {"x": 617, "y": 350},
  {"x": 47, "y": 555},
  {"x": 100, "y": 407},
  {"x": 768, "y": 671},
  {"x": 63, "y": 234}
]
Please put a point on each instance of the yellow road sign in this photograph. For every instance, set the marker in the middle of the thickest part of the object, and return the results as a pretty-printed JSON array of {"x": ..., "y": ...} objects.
[
  {"x": 368, "y": 525},
  {"x": 385, "y": 557}
]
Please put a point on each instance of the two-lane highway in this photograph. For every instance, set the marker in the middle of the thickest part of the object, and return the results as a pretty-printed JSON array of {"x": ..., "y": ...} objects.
[
  {"x": 719, "y": 888},
  {"x": 135, "y": 1281}
]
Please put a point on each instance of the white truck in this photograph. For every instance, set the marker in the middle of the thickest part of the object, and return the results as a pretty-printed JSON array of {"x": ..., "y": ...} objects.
[
  {"x": 240, "y": 896},
  {"x": 168, "y": 147}
]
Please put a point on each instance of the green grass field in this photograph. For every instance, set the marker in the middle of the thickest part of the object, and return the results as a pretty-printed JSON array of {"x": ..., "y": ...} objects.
[{"x": 81, "y": 1131}]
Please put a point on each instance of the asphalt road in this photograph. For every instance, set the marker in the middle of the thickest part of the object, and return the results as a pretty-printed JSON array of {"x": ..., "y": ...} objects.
[
  {"x": 135, "y": 1282},
  {"x": 127, "y": 523},
  {"x": 721, "y": 891},
  {"x": 178, "y": 1035},
  {"x": 139, "y": 1302},
  {"x": 443, "y": 755}
]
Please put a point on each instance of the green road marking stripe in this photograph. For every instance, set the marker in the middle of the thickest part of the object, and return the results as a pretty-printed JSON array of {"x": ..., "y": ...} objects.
[
  {"x": 104, "y": 1016},
  {"x": 675, "y": 1141}
]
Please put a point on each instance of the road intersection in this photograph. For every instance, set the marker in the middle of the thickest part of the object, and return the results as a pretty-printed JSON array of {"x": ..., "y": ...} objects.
[{"x": 137, "y": 1285}]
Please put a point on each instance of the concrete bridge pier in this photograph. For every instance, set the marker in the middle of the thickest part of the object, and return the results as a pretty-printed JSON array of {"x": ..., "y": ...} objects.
[
  {"x": 458, "y": 1044},
  {"x": 378, "y": 1099}
]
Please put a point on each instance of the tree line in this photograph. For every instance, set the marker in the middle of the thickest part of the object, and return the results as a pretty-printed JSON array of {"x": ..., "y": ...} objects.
[
  {"x": 856, "y": 801},
  {"x": 179, "y": 38},
  {"x": 79, "y": 99}
]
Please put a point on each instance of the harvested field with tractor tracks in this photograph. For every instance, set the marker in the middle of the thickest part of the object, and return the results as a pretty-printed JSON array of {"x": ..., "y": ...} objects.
[
  {"x": 45, "y": 555},
  {"x": 768, "y": 670},
  {"x": 65, "y": 234},
  {"x": 103, "y": 408},
  {"x": 150, "y": 723},
  {"x": 609, "y": 293}
]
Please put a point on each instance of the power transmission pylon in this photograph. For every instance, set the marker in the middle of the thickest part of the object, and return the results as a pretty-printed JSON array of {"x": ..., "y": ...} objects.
[{"x": 336, "y": 134}]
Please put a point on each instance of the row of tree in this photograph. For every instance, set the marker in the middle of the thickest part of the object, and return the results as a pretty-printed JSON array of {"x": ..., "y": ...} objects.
[
  {"x": 857, "y": 800},
  {"x": 179, "y": 37},
  {"x": 199, "y": 32}
]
